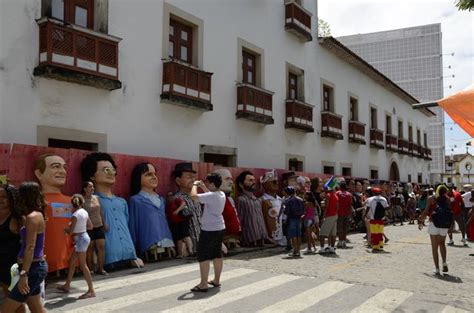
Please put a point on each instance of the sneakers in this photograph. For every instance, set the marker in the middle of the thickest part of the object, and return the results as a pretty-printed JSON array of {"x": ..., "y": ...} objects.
[
  {"x": 340, "y": 244},
  {"x": 464, "y": 243},
  {"x": 324, "y": 250},
  {"x": 331, "y": 250},
  {"x": 436, "y": 272},
  {"x": 451, "y": 243},
  {"x": 445, "y": 267}
]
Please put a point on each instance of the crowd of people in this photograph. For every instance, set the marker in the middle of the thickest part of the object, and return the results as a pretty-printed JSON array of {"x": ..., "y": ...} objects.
[{"x": 42, "y": 230}]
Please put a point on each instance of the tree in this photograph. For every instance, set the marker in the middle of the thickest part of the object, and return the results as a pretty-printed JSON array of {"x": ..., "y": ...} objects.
[
  {"x": 324, "y": 30},
  {"x": 463, "y": 5}
]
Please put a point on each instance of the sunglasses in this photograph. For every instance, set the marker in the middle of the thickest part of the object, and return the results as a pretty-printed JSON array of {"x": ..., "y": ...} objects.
[{"x": 109, "y": 171}]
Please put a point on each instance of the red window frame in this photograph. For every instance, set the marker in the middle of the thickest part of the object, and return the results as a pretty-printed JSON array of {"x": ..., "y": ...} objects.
[
  {"x": 292, "y": 86},
  {"x": 353, "y": 103},
  {"x": 373, "y": 118},
  {"x": 177, "y": 41},
  {"x": 327, "y": 95},
  {"x": 70, "y": 11},
  {"x": 388, "y": 123},
  {"x": 246, "y": 68}
]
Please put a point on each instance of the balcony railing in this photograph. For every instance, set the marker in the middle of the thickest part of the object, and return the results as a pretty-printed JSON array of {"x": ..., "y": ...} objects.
[
  {"x": 299, "y": 115},
  {"x": 427, "y": 153},
  {"x": 376, "y": 138},
  {"x": 357, "y": 132},
  {"x": 402, "y": 146},
  {"x": 331, "y": 125},
  {"x": 298, "y": 20},
  {"x": 391, "y": 142},
  {"x": 186, "y": 85},
  {"x": 254, "y": 104},
  {"x": 76, "y": 54}
]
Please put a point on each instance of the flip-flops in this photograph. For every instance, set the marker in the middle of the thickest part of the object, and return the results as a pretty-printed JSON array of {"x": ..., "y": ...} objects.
[
  {"x": 212, "y": 283},
  {"x": 199, "y": 289},
  {"x": 63, "y": 289},
  {"x": 87, "y": 295}
]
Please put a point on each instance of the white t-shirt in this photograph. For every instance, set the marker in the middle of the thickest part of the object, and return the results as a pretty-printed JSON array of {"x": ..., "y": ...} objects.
[
  {"x": 81, "y": 224},
  {"x": 467, "y": 199},
  {"x": 214, "y": 202},
  {"x": 372, "y": 204}
]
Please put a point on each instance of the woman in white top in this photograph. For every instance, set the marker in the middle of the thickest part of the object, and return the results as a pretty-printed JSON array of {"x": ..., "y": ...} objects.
[{"x": 80, "y": 223}]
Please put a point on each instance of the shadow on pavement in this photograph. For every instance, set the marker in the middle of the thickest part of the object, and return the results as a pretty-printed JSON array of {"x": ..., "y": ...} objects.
[
  {"x": 447, "y": 278},
  {"x": 190, "y": 296}
]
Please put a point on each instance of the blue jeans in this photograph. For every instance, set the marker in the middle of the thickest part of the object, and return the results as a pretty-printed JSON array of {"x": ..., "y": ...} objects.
[{"x": 37, "y": 274}]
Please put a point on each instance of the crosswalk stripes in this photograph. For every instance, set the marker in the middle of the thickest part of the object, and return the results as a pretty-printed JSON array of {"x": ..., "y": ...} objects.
[
  {"x": 385, "y": 301},
  {"x": 136, "y": 298},
  {"x": 307, "y": 298},
  {"x": 202, "y": 305}
]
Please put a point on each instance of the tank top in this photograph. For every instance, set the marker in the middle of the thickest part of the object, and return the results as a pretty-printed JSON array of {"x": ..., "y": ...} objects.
[
  {"x": 39, "y": 246},
  {"x": 10, "y": 242}
]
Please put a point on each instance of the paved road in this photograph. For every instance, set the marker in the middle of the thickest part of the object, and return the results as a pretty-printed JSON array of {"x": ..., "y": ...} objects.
[{"x": 267, "y": 281}]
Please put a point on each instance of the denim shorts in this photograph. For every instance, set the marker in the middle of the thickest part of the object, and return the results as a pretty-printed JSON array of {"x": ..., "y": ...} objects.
[
  {"x": 294, "y": 227},
  {"x": 37, "y": 274},
  {"x": 82, "y": 242}
]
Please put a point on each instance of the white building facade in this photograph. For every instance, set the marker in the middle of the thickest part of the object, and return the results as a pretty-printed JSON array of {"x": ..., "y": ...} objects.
[{"x": 249, "y": 85}]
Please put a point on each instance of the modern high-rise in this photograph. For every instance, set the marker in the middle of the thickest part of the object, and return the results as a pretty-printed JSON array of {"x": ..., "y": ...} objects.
[{"x": 412, "y": 58}]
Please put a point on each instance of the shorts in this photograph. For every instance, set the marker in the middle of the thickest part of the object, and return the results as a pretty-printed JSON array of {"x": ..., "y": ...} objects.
[
  {"x": 81, "y": 242},
  {"x": 37, "y": 274},
  {"x": 180, "y": 230},
  {"x": 433, "y": 230},
  {"x": 210, "y": 245},
  {"x": 308, "y": 222},
  {"x": 343, "y": 223},
  {"x": 294, "y": 228},
  {"x": 459, "y": 218},
  {"x": 97, "y": 233},
  {"x": 329, "y": 226}
]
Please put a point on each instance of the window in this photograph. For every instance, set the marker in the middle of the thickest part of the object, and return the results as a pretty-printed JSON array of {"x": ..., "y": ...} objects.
[
  {"x": 410, "y": 133},
  {"x": 400, "y": 129},
  {"x": 346, "y": 171},
  {"x": 71, "y": 144},
  {"x": 425, "y": 140},
  {"x": 373, "y": 118},
  {"x": 418, "y": 137},
  {"x": 420, "y": 178},
  {"x": 374, "y": 174},
  {"x": 409, "y": 178},
  {"x": 78, "y": 12},
  {"x": 292, "y": 86},
  {"x": 450, "y": 180},
  {"x": 295, "y": 165},
  {"x": 249, "y": 68},
  {"x": 180, "y": 42},
  {"x": 219, "y": 155},
  {"x": 328, "y": 98},
  {"x": 388, "y": 124},
  {"x": 219, "y": 159},
  {"x": 328, "y": 170},
  {"x": 353, "y": 109}
]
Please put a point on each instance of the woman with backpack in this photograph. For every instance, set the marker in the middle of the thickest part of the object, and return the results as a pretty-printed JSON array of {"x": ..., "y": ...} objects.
[{"x": 438, "y": 208}]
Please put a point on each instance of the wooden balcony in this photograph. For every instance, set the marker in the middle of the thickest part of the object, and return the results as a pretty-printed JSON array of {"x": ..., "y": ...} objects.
[
  {"x": 254, "y": 104},
  {"x": 331, "y": 125},
  {"x": 411, "y": 148},
  {"x": 376, "y": 138},
  {"x": 391, "y": 143},
  {"x": 299, "y": 115},
  {"x": 357, "y": 132},
  {"x": 298, "y": 21},
  {"x": 79, "y": 55},
  {"x": 402, "y": 146},
  {"x": 186, "y": 85},
  {"x": 426, "y": 153}
]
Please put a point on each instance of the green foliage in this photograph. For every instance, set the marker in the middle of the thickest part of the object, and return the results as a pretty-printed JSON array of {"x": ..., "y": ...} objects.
[
  {"x": 463, "y": 5},
  {"x": 324, "y": 30}
]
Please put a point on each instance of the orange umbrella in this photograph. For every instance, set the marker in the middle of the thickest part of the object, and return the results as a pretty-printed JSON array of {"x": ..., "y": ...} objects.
[{"x": 460, "y": 107}]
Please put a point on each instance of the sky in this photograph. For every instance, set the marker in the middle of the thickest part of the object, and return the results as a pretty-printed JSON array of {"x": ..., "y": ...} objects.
[{"x": 348, "y": 17}]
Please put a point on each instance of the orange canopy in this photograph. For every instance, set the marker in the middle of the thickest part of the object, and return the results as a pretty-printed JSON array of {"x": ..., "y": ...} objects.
[{"x": 460, "y": 107}]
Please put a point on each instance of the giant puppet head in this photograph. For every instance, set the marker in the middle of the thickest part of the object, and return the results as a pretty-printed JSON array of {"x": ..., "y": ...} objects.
[
  {"x": 50, "y": 170},
  {"x": 185, "y": 176},
  {"x": 270, "y": 182},
  {"x": 289, "y": 179},
  {"x": 227, "y": 181},
  {"x": 144, "y": 177},
  {"x": 101, "y": 169}
]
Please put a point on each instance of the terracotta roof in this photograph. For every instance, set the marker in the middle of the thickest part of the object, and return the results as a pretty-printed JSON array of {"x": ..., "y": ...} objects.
[{"x": 336, "y": 47}]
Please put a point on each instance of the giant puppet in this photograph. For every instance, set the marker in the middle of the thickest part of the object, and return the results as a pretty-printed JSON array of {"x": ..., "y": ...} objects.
[
  {"x": 148, "y": 225},
  {"x": 51, "y": 173},
  {"x": 271, "y": 206},
  {"x": 231, "y": 218},
  {"x": 100, "y": 168}
]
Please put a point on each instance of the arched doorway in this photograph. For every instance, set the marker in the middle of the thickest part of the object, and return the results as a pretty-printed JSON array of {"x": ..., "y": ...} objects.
[{"x": 394, "y": 173}]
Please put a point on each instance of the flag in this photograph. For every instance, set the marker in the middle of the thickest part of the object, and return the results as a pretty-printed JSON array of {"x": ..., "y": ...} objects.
[
  {"x": 331, "y": 183},
  {"x": 460, "y": 107}
]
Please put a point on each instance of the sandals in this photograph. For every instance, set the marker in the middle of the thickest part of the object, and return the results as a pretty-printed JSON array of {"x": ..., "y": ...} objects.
[
  {"x": 87, "y": 295},
  {"x": 212, "y": 283},
  {"x": 199, "y": 289},
  {"x": 63, "y": 289}
]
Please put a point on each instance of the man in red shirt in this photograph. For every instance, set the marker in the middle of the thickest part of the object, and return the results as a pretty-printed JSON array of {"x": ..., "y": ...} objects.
[
  {"x": 329, "y": 225},
  {"x": 457, "y": 206},
  {"x": 344, "y": 214}
]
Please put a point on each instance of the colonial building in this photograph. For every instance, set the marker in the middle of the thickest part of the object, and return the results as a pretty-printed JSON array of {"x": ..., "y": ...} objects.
[
  {"x": 459, "y": 170},
  {"x": 237, "y": 83}
]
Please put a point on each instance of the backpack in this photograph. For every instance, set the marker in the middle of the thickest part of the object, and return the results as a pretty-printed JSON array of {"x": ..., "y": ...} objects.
[
  {"x": 379, "y": 212},
  {"x": 442, "y": 216}
]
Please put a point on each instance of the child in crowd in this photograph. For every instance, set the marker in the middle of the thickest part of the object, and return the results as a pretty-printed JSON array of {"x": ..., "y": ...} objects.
[
  {"x": 294, "y": 209},
  {"x": 178, "y": 217},
  {"x": 309, "y": 222},
  {"x": 78, "y": 227}
]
